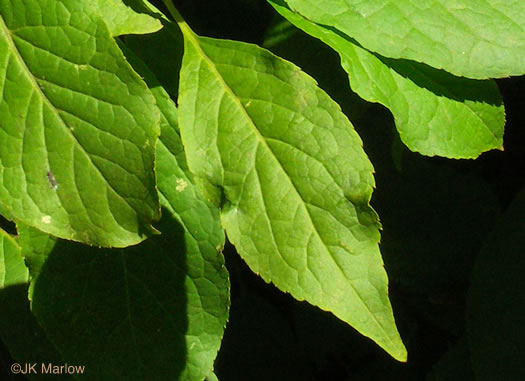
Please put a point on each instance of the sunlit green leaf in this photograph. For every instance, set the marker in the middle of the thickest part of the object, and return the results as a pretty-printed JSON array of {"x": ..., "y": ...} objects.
[
  {"x": 435, "y": 112},
  {"x": 316, "y": 59},
  {"x": 475, "y": 39},
  {"x": 289, "y": 172},
  {"x": 12, "y": 267},
  {"x": 78, "y": 126},
  {"x": 160, "y": 305},
  {"x": 126, "y": 17},
  {"x": 4, "y": 212}
]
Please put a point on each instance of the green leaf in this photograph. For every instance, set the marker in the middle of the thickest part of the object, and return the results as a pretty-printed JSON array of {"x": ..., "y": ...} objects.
[
  {"x": 207, "y": 284},
  {"x": 470, "y": 38},
  {"x": 495, "y": 300},
  {"x": 12, "y": 267},
  {"x": 5, "y": 214},
  {"x": 78, "y": 129},
  {"x": 435, "y": 113},
  {"x": 161, "y": 305},
  {"x": 19, "y": 330},
  {"x": 316, "y": 59},
  {"x": 36, "y": 247},
  {"x": 211, "y": 377},
  {"x": 126, "y": 17},
  {"x": 289, "y": 172}
]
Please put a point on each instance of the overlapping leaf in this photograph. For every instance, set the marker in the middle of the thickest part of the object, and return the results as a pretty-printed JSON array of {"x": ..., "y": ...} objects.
[
  {"x": 207, "y": 281},
  {"x": 292, "y": 179},
  {"x": 4, "y": 212},
  {"x": 475, "y": 39},
  {"x": 78, "y": 126},
  {"x": 435, "y": 113},
  {"x": 19, "y": 331},
  {"x": 126, "y": 17},
  {"x": 12, "y": 267},
  {"x": 161, "y": 305}
]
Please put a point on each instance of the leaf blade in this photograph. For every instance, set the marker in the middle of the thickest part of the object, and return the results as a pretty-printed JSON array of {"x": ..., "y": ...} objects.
[
  {"x": 173, "y": 288},
  {"x": 19, "y": 331},
  {"x": 219, "y": 78},
  {"x": 473, "y": 39},
  {"x": 129, "y": 17},
  {"x": 80, "y": 122},
  {"x": 13, "y": 270},
  {"x": 435, "y": 113}
]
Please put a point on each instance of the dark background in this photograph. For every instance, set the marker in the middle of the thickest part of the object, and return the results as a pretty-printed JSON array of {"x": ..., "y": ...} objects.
[{"x": 435, "y": 213}]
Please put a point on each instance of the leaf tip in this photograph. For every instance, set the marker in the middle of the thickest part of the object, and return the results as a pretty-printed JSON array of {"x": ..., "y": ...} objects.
[
  {"x": 150, "y": 230},
  {"x": 401, "y": 354}
]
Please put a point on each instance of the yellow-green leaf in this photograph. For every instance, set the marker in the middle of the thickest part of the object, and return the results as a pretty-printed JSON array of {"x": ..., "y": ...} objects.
[
  {"x": 289, "y": 172},
  {"x": 78, "y": 126}
]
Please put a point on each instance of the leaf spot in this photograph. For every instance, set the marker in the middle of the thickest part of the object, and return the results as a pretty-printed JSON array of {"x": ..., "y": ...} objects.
[
  {"x": 181, "y": 185},
  {"x": 345, "y": 246},
  {"x": 52, "y": 180},
  {"x": 46, "y": 219}
]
